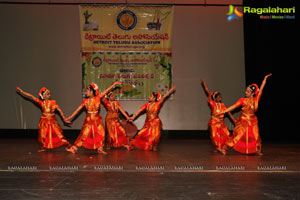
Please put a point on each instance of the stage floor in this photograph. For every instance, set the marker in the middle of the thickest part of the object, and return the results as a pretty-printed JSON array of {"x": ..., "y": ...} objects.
[{"x": 182, "y": 169}]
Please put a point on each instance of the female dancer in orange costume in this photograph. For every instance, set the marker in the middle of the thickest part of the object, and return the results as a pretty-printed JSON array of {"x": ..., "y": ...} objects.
[
  {"x": 92, "y": 134},
  {"x": 116, "y": 133},
  {"x": 50, "y": 132},
  {"x": 219, "y": 132},
  {"x": 245, "y": 137},
  {"x": 148, "y": 137}
]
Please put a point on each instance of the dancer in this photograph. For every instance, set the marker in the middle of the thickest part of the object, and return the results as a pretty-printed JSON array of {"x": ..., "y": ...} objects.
[
  {"x": 246, "y": 137},
  {"x": 116, "y": 133},
  {"x": 50, "y": 133},
  {"x": 148, "y": 137},
  {"x": 92, "y": 133},
  {"x": 219, "y": 132}
]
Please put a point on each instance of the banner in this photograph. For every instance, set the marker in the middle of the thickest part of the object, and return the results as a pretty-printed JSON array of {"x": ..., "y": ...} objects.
[
  {"x": 140, "y": 73},
  {"x": 126, "y": 28}
]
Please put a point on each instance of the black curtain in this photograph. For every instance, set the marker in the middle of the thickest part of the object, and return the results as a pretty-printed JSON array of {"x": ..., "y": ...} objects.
[{"x": 270, "y": 47}]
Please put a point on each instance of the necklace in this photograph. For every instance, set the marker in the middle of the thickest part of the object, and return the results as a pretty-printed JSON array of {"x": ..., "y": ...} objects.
[
  {"x": 150, "y": 107},
  {"x": 251, "y": 103},
  {"x": 113, "y": 103},
  {"x": 218, "y": 107},
  {"x": 47, "y": 105}
]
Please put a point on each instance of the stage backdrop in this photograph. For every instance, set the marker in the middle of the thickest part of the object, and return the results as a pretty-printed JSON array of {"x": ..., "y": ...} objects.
[
  {"x": 130, "y": 44},
  {"x": 40, "y": 46}
]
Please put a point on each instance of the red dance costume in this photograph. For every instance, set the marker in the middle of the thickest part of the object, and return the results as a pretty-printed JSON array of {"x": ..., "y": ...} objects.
[
  {"x": 149, "y": 136},
  {"x": 219, "y": 132},
  {"x": 245, "y": 137},
  {"x": 92, "y": 134},
  {"x": 50, "y": 132},
  {"x": 116, "y": 133}
]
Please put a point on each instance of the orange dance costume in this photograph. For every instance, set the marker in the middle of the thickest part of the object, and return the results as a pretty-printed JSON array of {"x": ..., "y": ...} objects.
[
  {"x": 149, "y": 136},
  {"x": 92, "y": 134},
  {"x": 117, "y": 136},
  {"x": 50, "y": 132},
  {"x": 246, "y": 137},
  {"x": 219, "y": 132}
]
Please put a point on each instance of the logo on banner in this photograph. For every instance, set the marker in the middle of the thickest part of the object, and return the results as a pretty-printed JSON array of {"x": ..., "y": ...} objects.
[
  {"x": 158, "y": 18},
  {"x": 233, "y": 13},
  {"x": 97, "y": 62},
  {"x": 89, "y": 25},
  {"x": 126, "y": 20}
]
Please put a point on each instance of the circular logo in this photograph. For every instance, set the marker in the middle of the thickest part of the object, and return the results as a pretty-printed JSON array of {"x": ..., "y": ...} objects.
[
  {"x": 97, "y": 62},
  {"x": 126, "y": 20}
]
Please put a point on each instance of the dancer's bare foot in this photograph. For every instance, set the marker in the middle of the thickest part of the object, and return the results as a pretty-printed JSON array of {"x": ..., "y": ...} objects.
[
  {"x": 128, "y": 147},
  {"x": 259, "y": 153},
  {"x": 68, "y": 145},
  {"x": 225, "y": 147},
  {"x": 41, "y": 150},
  {"x": 102, "y": 151},
  {"x": 222, "y": 151},
  {"x": 155, "y": 149},
  {"x": 71, "y": 149}
]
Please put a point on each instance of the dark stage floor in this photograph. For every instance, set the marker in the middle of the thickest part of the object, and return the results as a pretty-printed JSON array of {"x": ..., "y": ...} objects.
[{"x": 182, "y": 169}]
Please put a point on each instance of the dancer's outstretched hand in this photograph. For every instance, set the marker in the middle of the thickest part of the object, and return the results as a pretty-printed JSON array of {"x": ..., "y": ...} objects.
[
  {"x": 117, "y": 83},
  {"x": 19, "y": 89},
  {"x": 267, "y": 76},
  {"x": 130, "y": 119},
  {"x": 67, "y": 121}
]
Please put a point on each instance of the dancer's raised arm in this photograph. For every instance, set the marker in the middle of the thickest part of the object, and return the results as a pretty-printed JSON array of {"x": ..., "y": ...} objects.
[
  {"x": 109, "y": 89},
  {"x": 263, "y": 85},
  {"x": 205, "y": 87},
  {"x": 27, "y": 94},
  {"x": 169, "y": 93}
]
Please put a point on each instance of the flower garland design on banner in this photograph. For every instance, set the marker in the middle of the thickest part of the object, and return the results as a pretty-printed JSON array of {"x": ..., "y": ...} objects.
[{"x": 131, "y": 44}]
